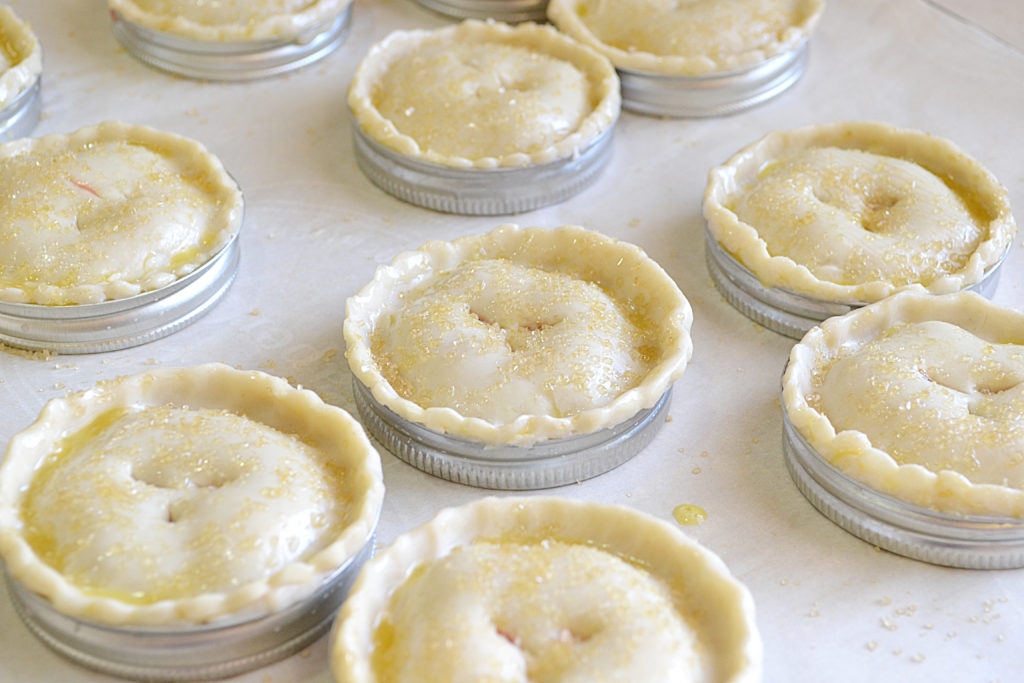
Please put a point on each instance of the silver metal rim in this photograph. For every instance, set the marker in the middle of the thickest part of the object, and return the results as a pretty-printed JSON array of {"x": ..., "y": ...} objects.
[
  {"x": 19, "y": 118},
  {"x": 480, "y": 192},
  {"x": 121, "y": 323},
  {"x": 717, "y": 94},
  {"x": 191, "y": 653},
  {"x": 544, "y": 465},
  {"x": 509, "y": 11},
  {"x": 970, "y": 542},
  {"x": 784, "y": 311},
  {"x": 231, "y": 61}
]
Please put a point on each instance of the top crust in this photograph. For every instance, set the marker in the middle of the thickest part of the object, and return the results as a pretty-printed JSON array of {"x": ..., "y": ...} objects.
[
  {"x": 717, "y": 609},
  {"x": 943, "y": 379},
  {"x": 689, "y": 38},
  {"x": 21, "y": 59},
  {"x": 527, "y": 612},
  {"x": 253, "y": 396},
  {"x": 625, "y": 274},
  {"x": 231, "y": 20},
  {"x": 108, "y": 212},
  {"x": 528, "y": 95},
  {"x": 976, "y": 211}
]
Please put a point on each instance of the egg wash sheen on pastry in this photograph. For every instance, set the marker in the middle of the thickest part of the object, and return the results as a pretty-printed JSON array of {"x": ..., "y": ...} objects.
[
  {"x": 544, "y": 612},
  {"x": 853, "y": 217},
  {"x": 935, "y": 395},
  {"x": 483, "y": 99},
  {"x": 147, "y": 504},
  {"x": 494, "y": 339},
  {"x": 715, "y": 29},
  {"x": 105, "y": 219}
]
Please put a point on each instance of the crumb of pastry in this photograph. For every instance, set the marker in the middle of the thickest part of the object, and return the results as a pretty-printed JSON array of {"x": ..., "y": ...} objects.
[{"x": 41, "y": 354}]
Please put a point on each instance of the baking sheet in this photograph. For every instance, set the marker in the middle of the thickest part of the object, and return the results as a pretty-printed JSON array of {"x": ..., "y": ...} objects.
[{"x": 830, "y": 606}]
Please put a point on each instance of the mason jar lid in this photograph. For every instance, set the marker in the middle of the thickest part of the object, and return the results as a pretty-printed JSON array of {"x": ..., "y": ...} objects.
[
  {"x": 509, "y": 11},
  {"x": 543, "y": 465},
  {"x": 212, "y": 651},
  {"x": 786, "y": 312},
  {"x": 970, "y": 541},
  {"x": 476, "y": 191},
  {"x": 19, "y": 118},
  {"x": 121, "y": 323},
  {"x": 714, "y": 94},
  {"x": 231, "y": 61}
]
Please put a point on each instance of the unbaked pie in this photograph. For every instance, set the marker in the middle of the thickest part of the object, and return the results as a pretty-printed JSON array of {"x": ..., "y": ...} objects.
[
  {"x": 520, "y": 335},
  {"x": 186, "y": 497},
  {"x": 918, "y": 397},
  {"x": 21, "y": 60},
  {"x": 499, "y": 96},
  {"x": 229, "y": 20},
  {"x": 851, "y": 212},
  {"x": 107, "y": 212},
  {"x": 545, "y": 589},
  {"x": 689, "y": 38}
]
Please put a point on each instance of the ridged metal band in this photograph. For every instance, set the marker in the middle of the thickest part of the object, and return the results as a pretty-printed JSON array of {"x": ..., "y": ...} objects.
[
  {"x": 509, "y": 11},
  {"x": 19, "y": 118},
  {"x": 479, "y": 192},
  {"x": 782, "y": 310},
  {"x": 715, "y": 94},
  {"x": 544, "y": 465},
  {"x": 231, "y": 61},
  {"x": 121, "y": 323},
  {"x": 188, "y": 653},
  {"x": 970, "y": 542}
]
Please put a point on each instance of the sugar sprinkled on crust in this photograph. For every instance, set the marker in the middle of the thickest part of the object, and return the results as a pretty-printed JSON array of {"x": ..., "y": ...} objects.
[
  {"x": 222, "y": 449},
  {"x": 553, "y": 586},
  {"x": 535, "y": 612},
  {"x": 230, "y": 20},
  {"x": 501, "y": 96},
  {"x": 838, "y": 199},
  {"x": 642, "y": 338},
  {"x": 691, "y": 38},
  {"x": 918, "y": 397},
  {"x": 494, "y": 339},
  {"x": 107, "y": 212}
]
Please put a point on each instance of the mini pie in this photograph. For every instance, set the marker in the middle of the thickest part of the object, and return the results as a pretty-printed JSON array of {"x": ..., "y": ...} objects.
[
  {"x": 499, "y": 96},
  {"x": 184, "y": 497},
  {"x": 107, "y": 212},
  {"x": 851, "y": 212},
  {"x": 519, "y": 335},
  {"x": 545, "y": 589},
  {"x": 230, "y": 20},
  {"x": 920, "y": 397},
  {"x": 21, "y": 58},
  {"x": 688, "y": 38}
]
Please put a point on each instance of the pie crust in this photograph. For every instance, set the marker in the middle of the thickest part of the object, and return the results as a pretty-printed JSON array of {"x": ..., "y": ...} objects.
[
  {"x": 919, "y": 397},
  {"x": 21, "y": 58},
  {"x": 519, "y": 335},
  {"x": 185, "y": 497},
  {"x": 851, "y": 212},
  {"x": 230, "y": 20},
  {"x": 107, "y": 212},
  {"x": 519, "y": 589},
  {"x": 691, "y": 38},
  {"x": 501, "y": 96}
]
